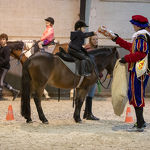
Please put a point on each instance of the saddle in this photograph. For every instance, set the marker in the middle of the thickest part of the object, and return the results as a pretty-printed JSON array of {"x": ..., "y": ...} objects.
[
  {"x": 50, "y": 47},
  {"x": 78, "y": 67}
]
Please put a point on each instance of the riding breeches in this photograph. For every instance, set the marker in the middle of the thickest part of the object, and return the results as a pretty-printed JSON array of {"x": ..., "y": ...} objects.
[
  {"x": 86, "y": 65},
  {"x": 136, "y": 89},
  {"x": 77, "y": 54}
]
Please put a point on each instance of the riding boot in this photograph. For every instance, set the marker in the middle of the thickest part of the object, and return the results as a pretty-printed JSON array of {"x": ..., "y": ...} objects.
[
  {"x": 14, "y": 91},
  {"x": 88, "y": 110}
]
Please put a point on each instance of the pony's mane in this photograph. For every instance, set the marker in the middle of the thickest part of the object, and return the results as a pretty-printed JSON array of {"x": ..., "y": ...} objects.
[
  {"x": 15, "y": 45},
  {"x": 103, "y": 51}
]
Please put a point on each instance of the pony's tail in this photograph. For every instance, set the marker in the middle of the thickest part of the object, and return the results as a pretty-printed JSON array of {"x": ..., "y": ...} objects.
[{"x": 25, "y": 93}]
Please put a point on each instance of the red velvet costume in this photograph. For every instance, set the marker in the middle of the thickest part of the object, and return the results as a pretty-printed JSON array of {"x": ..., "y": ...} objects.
[{"x": 138, "y": 50}]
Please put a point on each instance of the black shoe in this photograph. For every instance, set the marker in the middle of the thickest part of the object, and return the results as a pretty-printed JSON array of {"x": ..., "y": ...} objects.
[
  {"x": 143, "y": 126},
  {"x": 90, "y": 117},
  {"x": 135, "y": 129},
  {"x": 15, "y": 94}
]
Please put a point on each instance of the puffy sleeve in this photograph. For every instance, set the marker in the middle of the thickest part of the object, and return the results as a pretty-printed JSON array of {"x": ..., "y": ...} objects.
[
  {"x": 141, "y": 45},
  {"x": 141, "y": 49}
]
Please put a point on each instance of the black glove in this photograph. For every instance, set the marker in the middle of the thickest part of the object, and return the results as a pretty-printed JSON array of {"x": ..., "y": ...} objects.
[
  {"x": 122, "y": 60},
  {"x": 114, "y": 40}
]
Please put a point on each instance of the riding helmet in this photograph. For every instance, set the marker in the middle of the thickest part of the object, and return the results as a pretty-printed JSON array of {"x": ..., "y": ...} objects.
[
  {"x": 80, "y": 24},
  {"x": 50, "y": 19}
]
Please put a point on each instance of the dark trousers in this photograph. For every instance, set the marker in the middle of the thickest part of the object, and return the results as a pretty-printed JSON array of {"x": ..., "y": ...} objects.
[
  {"x": 2, "y": 77},
  {"x": 85, "y": 65},
  {"x": 5, "y": 84},
  {"x": 139, "y": 116}
]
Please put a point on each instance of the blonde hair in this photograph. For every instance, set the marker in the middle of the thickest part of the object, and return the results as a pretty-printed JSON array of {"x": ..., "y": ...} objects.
[{"x": 90, "y": 42}]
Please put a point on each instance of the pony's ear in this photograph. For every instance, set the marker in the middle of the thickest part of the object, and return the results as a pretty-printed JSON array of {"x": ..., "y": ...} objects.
[{"x": 115, "y": 51}]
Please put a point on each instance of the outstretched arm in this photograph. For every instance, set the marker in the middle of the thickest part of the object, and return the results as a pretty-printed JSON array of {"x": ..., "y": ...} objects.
[
  {"x": 123, "y": 43},
  {"x": 114, "y": 37},
  {"x": 88, "y": 34}
]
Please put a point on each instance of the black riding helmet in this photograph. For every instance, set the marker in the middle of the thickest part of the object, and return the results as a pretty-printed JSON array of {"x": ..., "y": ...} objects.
[
  {"x": 80, "y": 24},
  {"x": 50, "y": 19}
]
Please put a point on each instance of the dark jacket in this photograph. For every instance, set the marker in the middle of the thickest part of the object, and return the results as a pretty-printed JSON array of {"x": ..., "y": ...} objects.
[
  {"x": 4, "y": 57},
  {"x": 77, "y": 39}
]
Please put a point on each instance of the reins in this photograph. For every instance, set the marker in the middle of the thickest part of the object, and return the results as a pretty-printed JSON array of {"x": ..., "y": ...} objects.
[
  {"x": 105, "y": 80},
  {"x": 107, "y": 85}
]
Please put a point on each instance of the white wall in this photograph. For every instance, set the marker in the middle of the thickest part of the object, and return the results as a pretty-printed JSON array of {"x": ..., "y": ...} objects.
[
  {"x": 24, "y": 19},
  {"x": 116, "y": 16}
]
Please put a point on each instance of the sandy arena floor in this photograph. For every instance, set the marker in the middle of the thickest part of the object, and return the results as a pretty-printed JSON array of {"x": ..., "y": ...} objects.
[{"x": 62, "y": 133}]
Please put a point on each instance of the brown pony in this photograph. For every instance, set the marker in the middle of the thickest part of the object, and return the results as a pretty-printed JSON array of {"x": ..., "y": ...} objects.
[
  {"x": 63, "y": 45},
  {"x": 56, "y": 49},
  {"x": 44, "y": 68},
  {"x": 21, "y": 50},
  {"x": 17, "y": 50},
  {"x": 18, "y": 47}
]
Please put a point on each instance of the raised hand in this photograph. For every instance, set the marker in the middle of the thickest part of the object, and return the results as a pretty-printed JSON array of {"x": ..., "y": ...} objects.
[{"x": 106, "y": 32}]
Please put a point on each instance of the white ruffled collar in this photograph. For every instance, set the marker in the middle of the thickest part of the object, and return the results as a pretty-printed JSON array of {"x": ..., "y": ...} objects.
[{"x": 143, "y": 31}]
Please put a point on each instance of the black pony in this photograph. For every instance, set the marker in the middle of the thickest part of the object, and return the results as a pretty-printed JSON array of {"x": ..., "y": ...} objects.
[{"x": 44, "y": 68}]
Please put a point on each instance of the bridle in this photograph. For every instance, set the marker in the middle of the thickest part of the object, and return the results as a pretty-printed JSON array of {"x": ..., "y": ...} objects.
[
  {"x": 105, "y": 80},
  {"x": 23, "y": 52}
]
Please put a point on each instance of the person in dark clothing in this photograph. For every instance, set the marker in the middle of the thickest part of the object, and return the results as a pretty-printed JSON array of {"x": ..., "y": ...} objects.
[
  {"x": 76, "y": 49},
  {"x": 4, "y": 66}
]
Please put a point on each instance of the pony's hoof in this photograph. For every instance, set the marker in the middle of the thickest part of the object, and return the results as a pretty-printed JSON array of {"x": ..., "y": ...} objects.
[
  {"x": 46, "y": 98},
  {"x": 29, "y": 121},
  {"x": 45, "y": 122},
  {"x": 78, "y": 120}
]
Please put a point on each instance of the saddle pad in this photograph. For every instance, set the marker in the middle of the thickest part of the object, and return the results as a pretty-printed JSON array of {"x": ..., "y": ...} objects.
[
  {"x": 27, "y": 53},
  {"x": 71, "y": 66},
  {"x": 49, "y": 48}
]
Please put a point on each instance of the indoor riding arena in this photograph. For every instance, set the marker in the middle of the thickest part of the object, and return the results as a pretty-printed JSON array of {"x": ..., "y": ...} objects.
[
  {"x": 24, "y": 21},
  {"x": 110, "y": 132}
]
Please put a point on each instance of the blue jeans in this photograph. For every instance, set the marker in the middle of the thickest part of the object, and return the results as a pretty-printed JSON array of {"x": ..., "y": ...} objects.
[{"x": 92, "y": 91}]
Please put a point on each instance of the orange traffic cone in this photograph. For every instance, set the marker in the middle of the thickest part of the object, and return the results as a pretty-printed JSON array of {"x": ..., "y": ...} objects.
[
  {"x": 129, "y": 118},
  {"x": 10, "y": 115}
]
